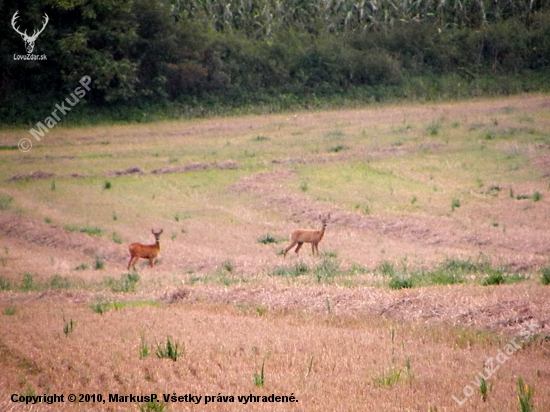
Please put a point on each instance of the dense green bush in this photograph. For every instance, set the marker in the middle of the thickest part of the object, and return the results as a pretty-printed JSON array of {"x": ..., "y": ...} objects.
[{"x": 151, "y": 58}]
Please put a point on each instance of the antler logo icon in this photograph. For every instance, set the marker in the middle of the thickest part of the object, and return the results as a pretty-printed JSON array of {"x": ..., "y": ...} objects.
[{"x": 29, "y": 40}]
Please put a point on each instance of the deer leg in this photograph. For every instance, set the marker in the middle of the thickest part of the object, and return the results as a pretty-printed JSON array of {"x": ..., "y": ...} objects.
[
  {"x": 288, "y": 248},
  {"x": 298, "y": 247},
  {"x": 317, "y": 248},
  {"x": 132, "y": 262},
  {"x": 313, "y": 248},
  {"x": 151, "y": 261}
]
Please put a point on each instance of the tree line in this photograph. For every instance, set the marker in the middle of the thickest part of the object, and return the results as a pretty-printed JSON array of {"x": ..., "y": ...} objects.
[{"x": 177, "y": 57}]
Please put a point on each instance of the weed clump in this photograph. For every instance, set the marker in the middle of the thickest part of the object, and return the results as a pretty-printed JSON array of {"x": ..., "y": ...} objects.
[
  {"x": 59, "y": 282},
  {"x": 100, "y": 306},
  {"x": 266, "y": 239},
  {"x": 495, "y": 278},
  {"x": 398, "y": 282},
  {"x": 169, "y": 350},
  {"x": 126, "y": 283},
  {"x": 99, "y": 263},
  {"x": 4, "y": 284}
]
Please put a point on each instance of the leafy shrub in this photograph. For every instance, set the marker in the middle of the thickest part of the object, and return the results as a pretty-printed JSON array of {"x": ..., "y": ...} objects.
[
  {"x": 338, "y": 148},
  {"x": 5, "y": 202},
  {"x": 99, "y": 263},
  {"x": 4, "y": 284},
  {"x": 436, "y": 277},
  {"x": 267, "y": 238},
  {"x": 169, "y": 350},
  {"x": 92, "y": 230},
  {"x": 126, "y": 283},
  {"x": 59, "y": 282},
  {"x": 100, "y": 306},
  {"x": 298, "y": 269},
  {"x": 259, "y": 378},
  {"x": 385, "y": 269},
  {"x": 398, "y": 282},
  {"x": 454, "y": 204},
  {"x": 494, "y": 278},
  {"x": 328, "y": 268},
  {"x": 28, "y": 282},
  {"x": 10, "y": 310}
]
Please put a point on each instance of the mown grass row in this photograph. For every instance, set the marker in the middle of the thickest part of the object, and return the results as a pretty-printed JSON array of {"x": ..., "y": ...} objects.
[
  {"x": 125, "y": 283},
  {"x": 327, "y": 270},
  {"x": 449, "y": 272}
]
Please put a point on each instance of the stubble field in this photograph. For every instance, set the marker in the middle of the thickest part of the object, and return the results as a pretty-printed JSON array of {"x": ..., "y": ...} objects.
[{"x": 429, "y": 273}]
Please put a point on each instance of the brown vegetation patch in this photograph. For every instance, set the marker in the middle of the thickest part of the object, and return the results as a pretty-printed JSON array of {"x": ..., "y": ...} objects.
[
  {"x": 129, "y": 171},
  {"x": 34, "y": 175},
  {"x": 502, "y": 308},
  {"x": 288, "y": 161},
  {"x": 174, "y": 296},
  {"x": 191, "y": 167}
]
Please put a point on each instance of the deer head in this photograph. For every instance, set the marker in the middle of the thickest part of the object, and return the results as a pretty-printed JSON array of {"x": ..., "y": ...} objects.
[
  {"x": 156, "y": 234},
  {"x": 29, "y": 40},
  {"x": 324, "y": 220}
]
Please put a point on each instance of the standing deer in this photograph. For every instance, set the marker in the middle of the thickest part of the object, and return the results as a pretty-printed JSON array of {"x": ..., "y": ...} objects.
[
  {"x": 29, "y": 40},
  {"x": 138, "y": 250},
  {"x": 301, "y": 236}
]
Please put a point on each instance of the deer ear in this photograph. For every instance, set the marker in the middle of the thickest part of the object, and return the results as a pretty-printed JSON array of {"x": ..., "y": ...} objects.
[
  {"x": 160, "y": 231},
  {"x": 153, "y": 231}
]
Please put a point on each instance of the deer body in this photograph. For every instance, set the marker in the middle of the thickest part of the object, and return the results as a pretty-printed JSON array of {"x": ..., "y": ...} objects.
[
  {"x": 301, "y": 236},
  {"x": 138, "y": 250}
]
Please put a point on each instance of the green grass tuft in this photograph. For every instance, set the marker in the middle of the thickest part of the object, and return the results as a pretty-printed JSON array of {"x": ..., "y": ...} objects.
[
  {"x": 5, "y": 202},
  {"x": 126, "y": 283},
  {"x": 169, "y": 350},
  {"x": 266, "y": 239},
  {"x": 398, "y": 282},
  {"x": 91, "y": 230}
]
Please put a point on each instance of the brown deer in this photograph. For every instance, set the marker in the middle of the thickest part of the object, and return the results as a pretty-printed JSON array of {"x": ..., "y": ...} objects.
[
  {"x": 137, "y": 250},
  {"x": 301, "y": 236}
]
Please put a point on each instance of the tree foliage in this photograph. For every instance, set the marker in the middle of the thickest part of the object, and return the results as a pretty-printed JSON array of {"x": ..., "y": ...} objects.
[{"x": 143, "y": 52}]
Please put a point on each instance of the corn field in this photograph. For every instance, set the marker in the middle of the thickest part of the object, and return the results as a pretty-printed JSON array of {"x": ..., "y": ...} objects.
[{"x": 263, "y": 18}]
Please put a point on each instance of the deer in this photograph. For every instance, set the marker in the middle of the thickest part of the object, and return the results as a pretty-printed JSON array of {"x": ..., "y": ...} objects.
[
  {"x": 301, "y": 236},
  {"x": 29, "y": 40},
  {"x": 138, "y": 250}
]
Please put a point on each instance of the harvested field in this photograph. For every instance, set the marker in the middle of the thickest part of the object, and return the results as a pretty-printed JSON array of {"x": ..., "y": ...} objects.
[{"x": 433, "y": 260}]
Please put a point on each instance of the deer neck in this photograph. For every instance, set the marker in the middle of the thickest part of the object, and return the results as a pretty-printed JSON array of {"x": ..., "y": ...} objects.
[{"x": 157, "y": 244}]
